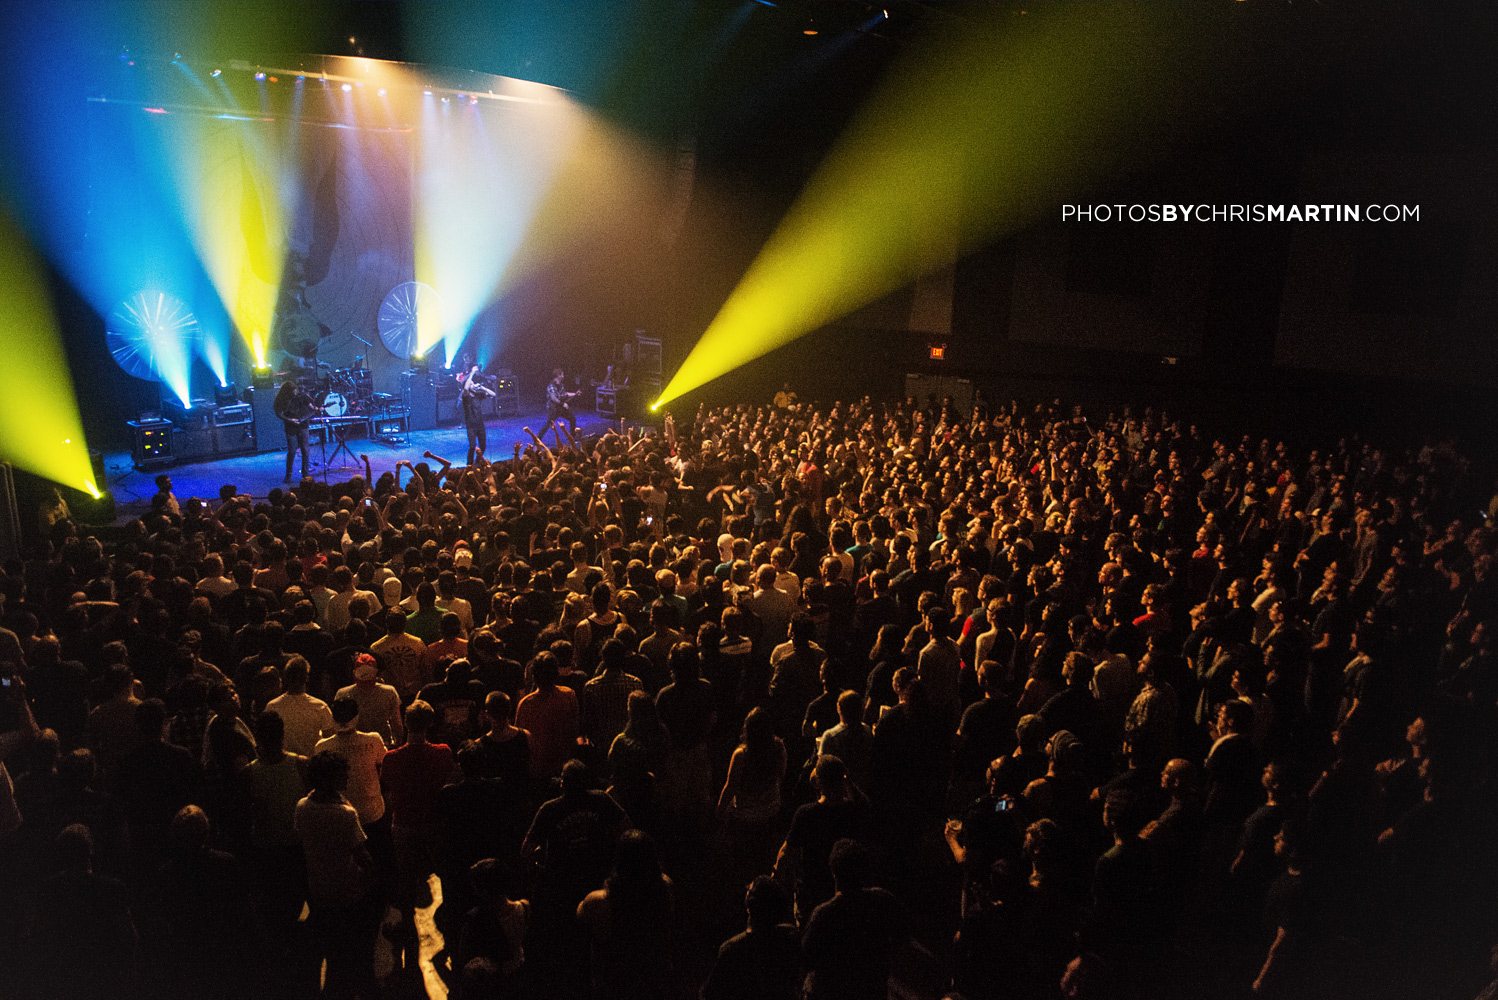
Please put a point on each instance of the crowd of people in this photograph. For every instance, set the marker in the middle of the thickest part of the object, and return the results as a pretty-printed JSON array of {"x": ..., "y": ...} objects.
[{"x": 775, "y": 702}]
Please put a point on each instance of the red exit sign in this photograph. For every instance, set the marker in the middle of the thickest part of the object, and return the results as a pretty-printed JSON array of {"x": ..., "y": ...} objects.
[{"x": 938, "y": 352}]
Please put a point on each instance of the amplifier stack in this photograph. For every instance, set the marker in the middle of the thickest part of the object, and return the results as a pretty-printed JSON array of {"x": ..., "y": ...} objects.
[
  {"x": 234, "y": 429},
  {"x": 197, "y": 432}
]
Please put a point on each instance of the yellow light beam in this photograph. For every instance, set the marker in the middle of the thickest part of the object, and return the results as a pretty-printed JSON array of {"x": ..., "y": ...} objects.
[
  {"x": 40, "y": 429},
  {"x": 987, "y": 125},
  {"x": 231, "y": 199}
]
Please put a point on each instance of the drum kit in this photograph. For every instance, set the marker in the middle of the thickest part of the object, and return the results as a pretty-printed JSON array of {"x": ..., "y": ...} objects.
[{"x": 339, "y": 392}]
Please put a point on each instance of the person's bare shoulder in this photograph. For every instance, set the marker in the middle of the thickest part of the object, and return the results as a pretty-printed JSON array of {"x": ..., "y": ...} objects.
[{"x": 593, "y": 910}]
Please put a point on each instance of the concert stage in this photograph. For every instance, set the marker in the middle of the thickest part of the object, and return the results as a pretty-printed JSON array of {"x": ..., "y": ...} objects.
[{"x": 256, "y": 475}]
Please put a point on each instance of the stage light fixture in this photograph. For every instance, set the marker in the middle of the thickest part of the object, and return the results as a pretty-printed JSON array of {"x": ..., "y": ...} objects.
[
  {"x": 259, "y": 76},
  {"x": 348, "y": 88},
  {"x": 216, "y": 73},
  {"x": 381, "y": 91}
]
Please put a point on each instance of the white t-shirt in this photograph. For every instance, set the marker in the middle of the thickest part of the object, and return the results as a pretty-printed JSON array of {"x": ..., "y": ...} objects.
[
  {"x": 364, "y": 753},
  {"x": 331, "y": 834},
  {"x": 379, "y": 710},
  {"x": 459, "y": 607},
  {"x": 306, "y": 718}
]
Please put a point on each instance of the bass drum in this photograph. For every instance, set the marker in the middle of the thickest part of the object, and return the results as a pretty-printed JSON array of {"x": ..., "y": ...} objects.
[{"x": 335, "y": 404}]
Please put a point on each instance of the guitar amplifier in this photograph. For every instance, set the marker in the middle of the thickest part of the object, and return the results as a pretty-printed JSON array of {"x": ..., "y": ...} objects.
[
  {"x": 449, "y": 407},
  {"x": 233, "y": 414},
  {"x": 190, "y": 444},
  {"x": 234, "y": 439}
]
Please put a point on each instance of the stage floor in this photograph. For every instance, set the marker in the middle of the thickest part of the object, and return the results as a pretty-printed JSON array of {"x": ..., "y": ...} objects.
[{"x": 257, "y": 475}]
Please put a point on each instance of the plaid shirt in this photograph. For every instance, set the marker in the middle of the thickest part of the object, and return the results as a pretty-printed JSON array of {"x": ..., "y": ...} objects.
[{"x": 606, "y": 706}]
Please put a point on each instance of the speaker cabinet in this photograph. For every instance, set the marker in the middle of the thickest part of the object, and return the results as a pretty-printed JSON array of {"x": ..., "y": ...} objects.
[
  {"x": 234, "y": 439},
  {"x": 269, "y": 434},
  {"x": 419, "y": 396},
  {"x": 192, "y": 444}
]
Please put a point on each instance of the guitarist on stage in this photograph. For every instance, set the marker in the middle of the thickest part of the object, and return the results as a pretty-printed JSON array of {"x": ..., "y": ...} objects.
[
  {"x": 294, "y": 408},
  {"x": 558, "y": 407}
]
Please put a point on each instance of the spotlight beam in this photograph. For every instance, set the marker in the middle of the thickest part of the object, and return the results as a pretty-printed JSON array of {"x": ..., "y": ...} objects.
[
  {"x": 40, "y": 428},
  {"x": 981, "y": 130}
]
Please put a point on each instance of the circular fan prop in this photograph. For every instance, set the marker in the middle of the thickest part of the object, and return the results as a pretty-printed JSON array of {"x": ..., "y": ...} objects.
[
  {"x": 152, "y": 335},
  {"x": 410, "y": 314}
]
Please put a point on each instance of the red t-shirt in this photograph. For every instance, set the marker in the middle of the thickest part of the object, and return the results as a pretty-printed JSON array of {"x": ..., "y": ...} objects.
[
  {"x": 1153, "y": 623},
  {"x": 412, "y": 776},
  {"x": 551, "y": 718}
]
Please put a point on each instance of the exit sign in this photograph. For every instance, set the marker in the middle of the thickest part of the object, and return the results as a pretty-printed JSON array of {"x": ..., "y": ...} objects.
[{"x": 938, "y": 352}]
